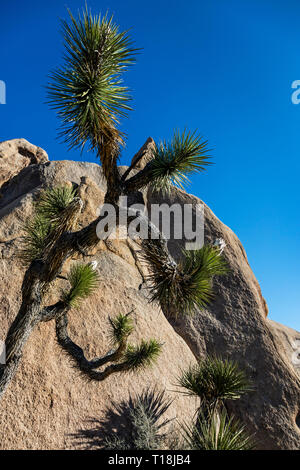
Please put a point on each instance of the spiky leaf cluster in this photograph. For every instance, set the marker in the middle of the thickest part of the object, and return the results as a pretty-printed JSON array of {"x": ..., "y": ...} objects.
[
  {"x": 217, "y": 432},
  {"x": 53, "y": 201},
  {"x": 132, "y": 357},
  {"x": 83, "y": 280},
  {"x": 87, "y": 90},
  {"x": 174, "y": 161},
  {"x": 183, "y": 287},
  {"x": 139, "y": 424},
  {"x": 214, "y": 380},
  {"x": 145, "y": 417},
  {"x": 33, "y": 242},
  {"x": 144, "y": 424},
  {"x": 142, "y": 355},
  {"x": 53, "y": 214}
]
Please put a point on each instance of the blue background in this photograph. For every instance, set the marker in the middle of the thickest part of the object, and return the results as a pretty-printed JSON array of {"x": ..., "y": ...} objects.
[{"x": 223, "y": 67}]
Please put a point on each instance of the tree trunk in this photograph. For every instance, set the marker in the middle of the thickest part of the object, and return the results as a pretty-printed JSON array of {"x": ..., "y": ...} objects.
[{"x": 16, "y": 339}]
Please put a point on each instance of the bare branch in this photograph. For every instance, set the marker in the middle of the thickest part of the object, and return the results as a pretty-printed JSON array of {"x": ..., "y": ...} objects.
[{"x": 52, "y": 311}]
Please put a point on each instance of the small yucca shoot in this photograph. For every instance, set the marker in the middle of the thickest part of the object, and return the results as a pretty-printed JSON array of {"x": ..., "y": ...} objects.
[
  {"x": 214, "y": 380},
  {"x": 173, "y": 161},
  {"x": 181, "y": 288},
  {"x": 34, "y": 240},
  {"x": 224, "y": 433},
  {"x": 143, "y": 355},
  {"x": 53, "y": 201},
  {"x": 121, "y": 328},
  {"x": 143, "y": 418},
  {"x": 84, "y": 280},
  {"x": 146, "y": 421}
]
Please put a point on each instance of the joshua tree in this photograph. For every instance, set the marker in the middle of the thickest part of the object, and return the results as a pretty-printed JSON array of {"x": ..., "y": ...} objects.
[
  {"x": 89, "y": 97},
  {"x": 214, "y": 380}
]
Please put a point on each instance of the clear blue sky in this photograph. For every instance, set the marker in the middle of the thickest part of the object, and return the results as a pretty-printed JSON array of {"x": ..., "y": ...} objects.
[{"x": 224, "y": 67}]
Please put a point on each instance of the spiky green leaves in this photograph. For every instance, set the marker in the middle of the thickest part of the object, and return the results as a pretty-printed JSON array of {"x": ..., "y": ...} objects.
[
  {"x": 146, "y": 426},
  {"x": 54, "y": 211},
  {"x": 217, "y": 432},
  {"x": 87, "y": 90},
  {"x": 121, "y": 328},
  {"x": 174, "y": 161},
  {"x": 133, "y": 357},
  {"x": 143, "y": 355},
  {"x": 34, "y": 240},
  {"x": 207, "y": 259},
  {"x": 181, "y": 288},
  {"x": 214, "y": 380},
  {"x": 197, "y": 270},
  {"x": 83, "y": 280},
  {"x": 53, "y": 201},
  {"x": 146, "y": 423}
]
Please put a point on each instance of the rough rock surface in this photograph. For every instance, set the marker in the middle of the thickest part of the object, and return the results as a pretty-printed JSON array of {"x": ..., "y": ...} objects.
[
  {"x": 144, "y": 155},
  {"x": 235, "y": 325},
  {"x": 290, "y": 339},
  {"x": 48, "y": 401},
  {"x": 15, "y": 155}
]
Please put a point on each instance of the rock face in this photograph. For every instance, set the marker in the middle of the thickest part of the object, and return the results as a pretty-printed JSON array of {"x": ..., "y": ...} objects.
[
  {"x": 144, "y": 155},
  {"x": 47, "y": 401},
  {"x": 15, "y": 155}
]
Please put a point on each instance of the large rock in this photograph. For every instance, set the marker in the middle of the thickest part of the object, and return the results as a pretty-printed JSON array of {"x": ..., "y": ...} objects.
[
  {"x": 48, "y": 401},
  {"x": 144, "y": 155},
  {"x": 235, "y": 325}
]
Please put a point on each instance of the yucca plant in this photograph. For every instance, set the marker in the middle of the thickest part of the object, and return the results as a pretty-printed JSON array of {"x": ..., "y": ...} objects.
[
  {"x": 87, "y": 90},
  {"x": 121, "y": 328},
  {"x": 214, "y": 380},
  {"x": 89, "y": 96},
  {"x": 139, "y": 424},
  {"x": 187, "y": 284},
  {"x": 83, "y": 279},
  {"x": 217, "y": 431},
  {"x": 55, "y": 215},
  {"x": 53, "y": 201},
  {"x": 34, "y": 239},
  {"x": 55, "y": 212},
  {"x": 173, "y": 161},
  {"x": 142, "y": 355},
  {"x": 122, "y": 358}
]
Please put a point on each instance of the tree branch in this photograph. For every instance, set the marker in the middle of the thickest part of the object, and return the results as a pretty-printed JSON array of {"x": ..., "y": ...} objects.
[
  {"x": 108, "y": 153},
  {"x": 16, "y": 339},
  {"x": 77, "y": 355},
  {"x": 52, "y": 311},
  {"x": 38, "y": 276},
  {"x": 131, "y": 167}
]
